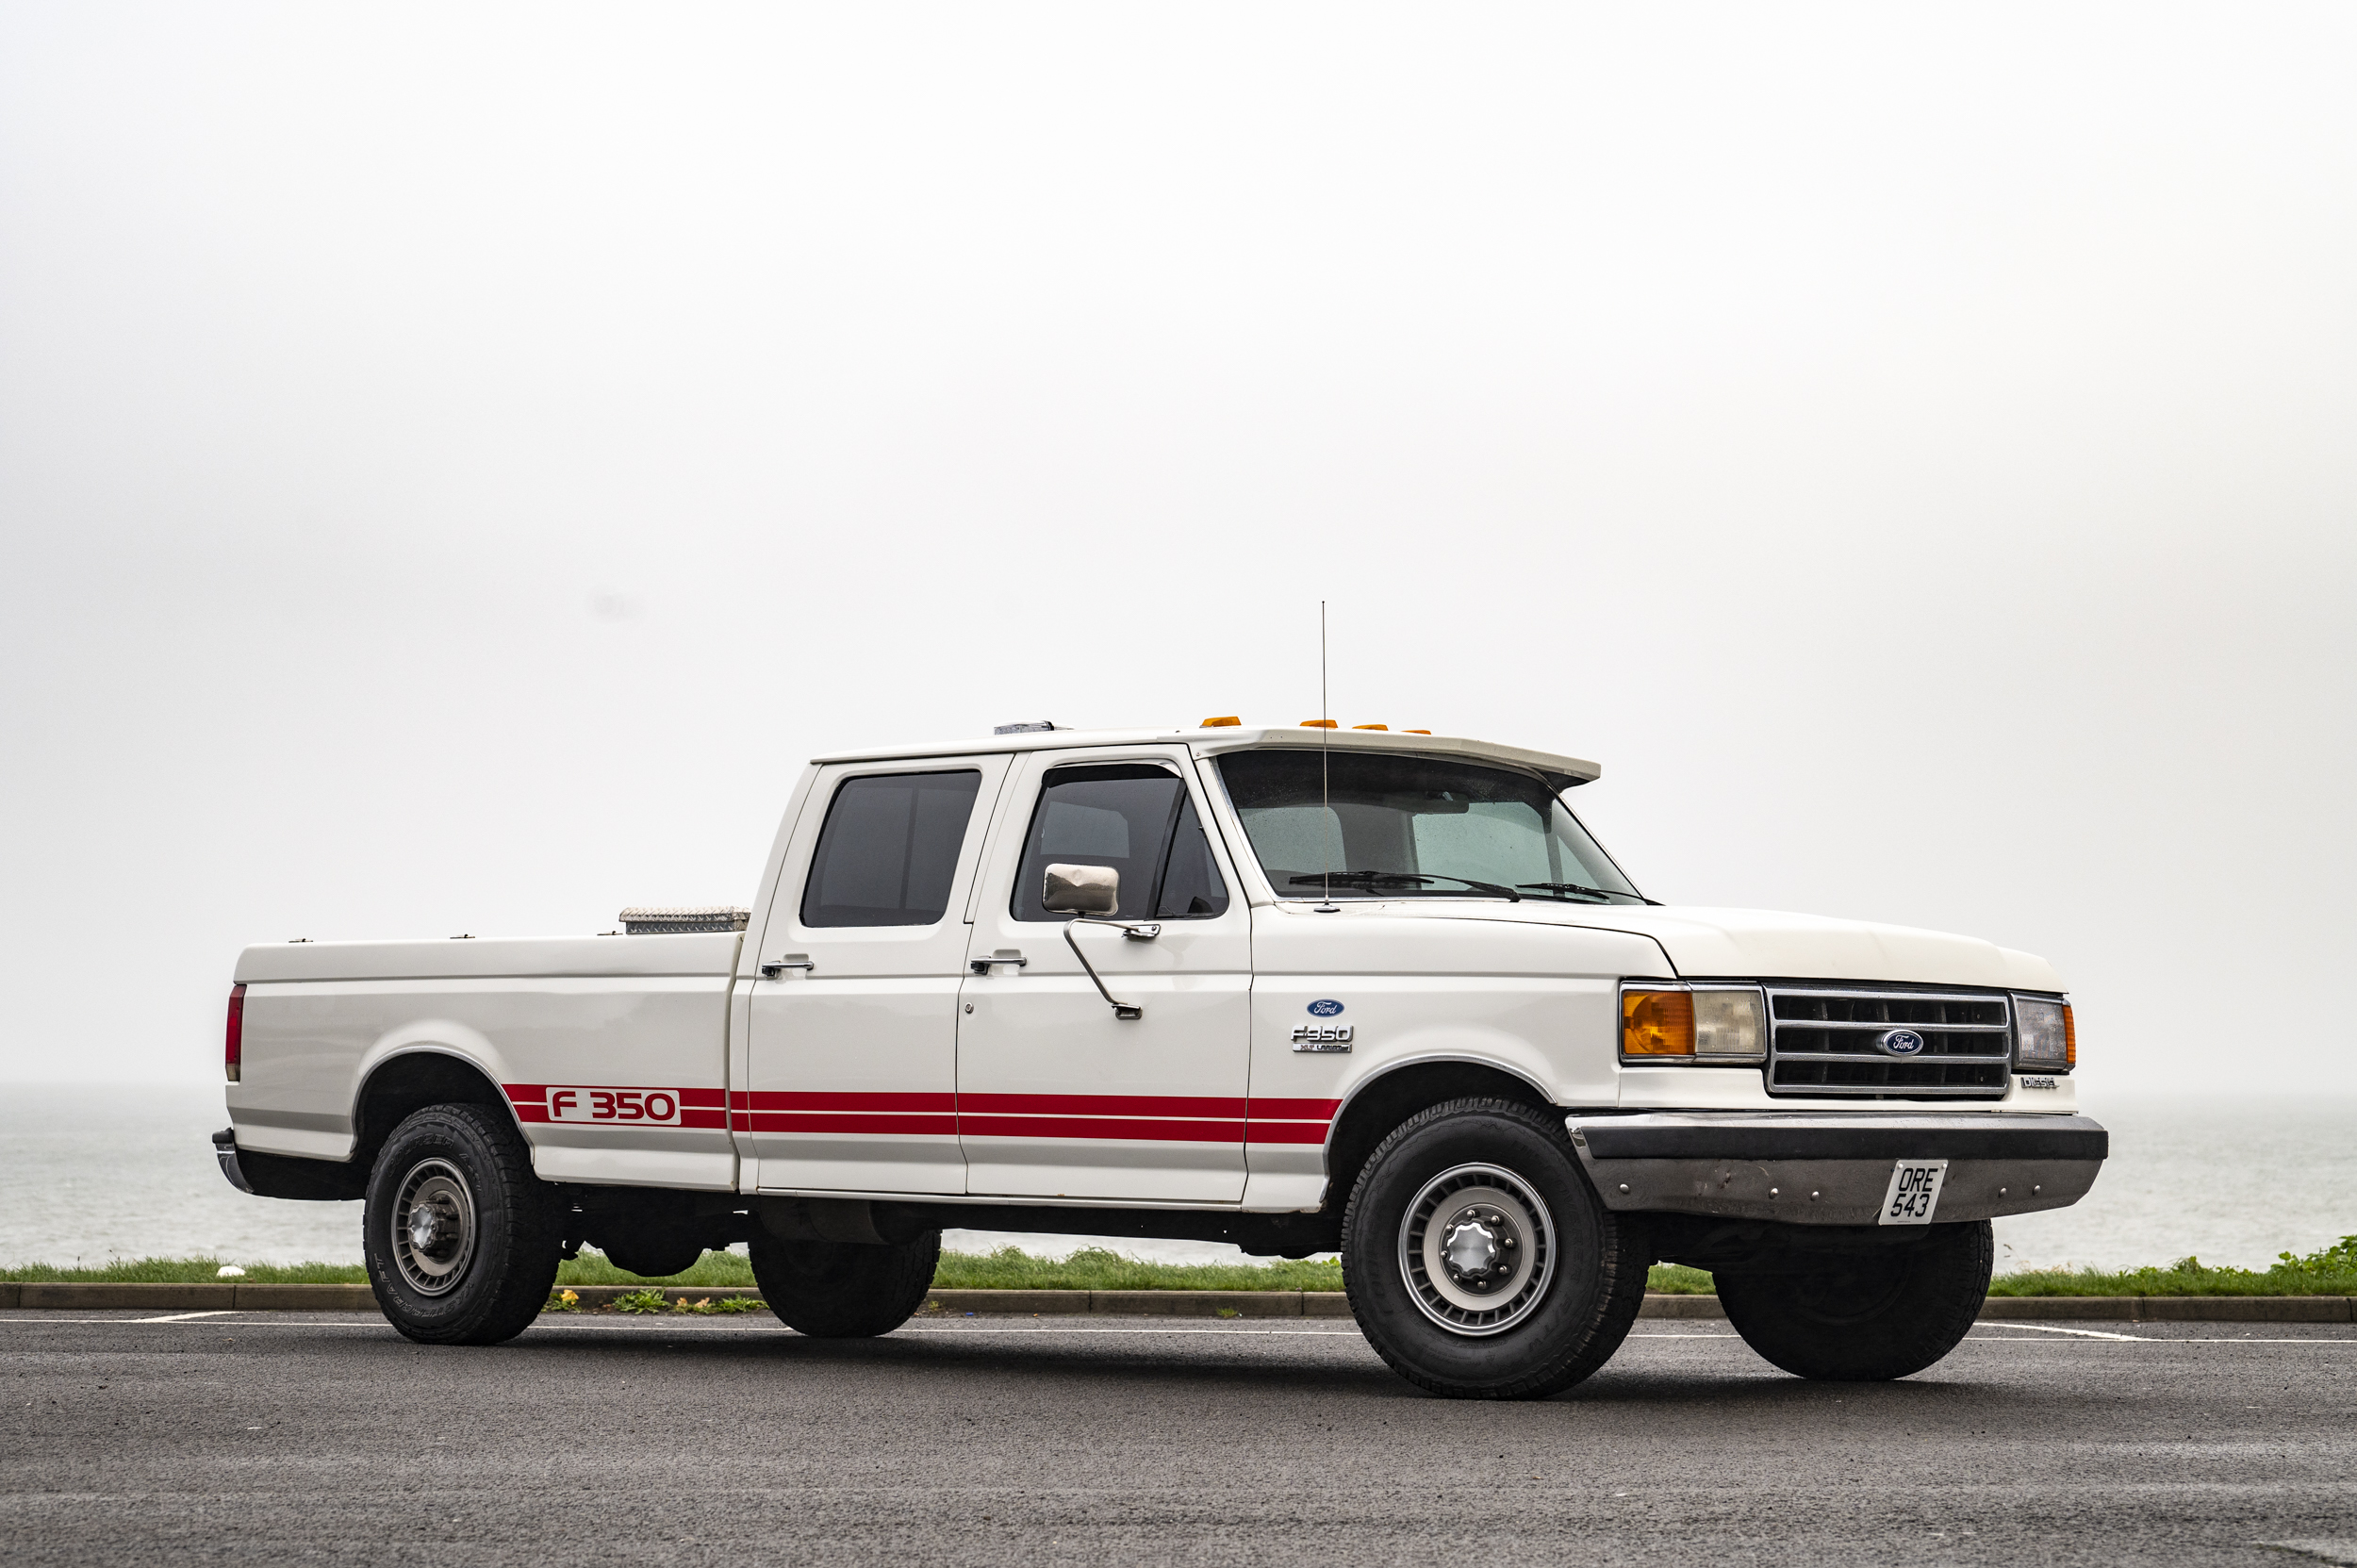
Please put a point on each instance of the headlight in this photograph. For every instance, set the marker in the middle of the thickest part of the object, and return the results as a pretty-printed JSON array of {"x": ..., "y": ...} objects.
[
  {"x": 1730, "y": 1023},
  {"x": 1693, "y": 1023},
  {"x": 2043, "y": 1038}
]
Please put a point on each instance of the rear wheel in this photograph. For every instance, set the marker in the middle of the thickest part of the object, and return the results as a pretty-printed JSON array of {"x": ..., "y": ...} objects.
[
  {"x": 1871, "y": 1318},
  {"x": 459, "y": 1236},
  {"x": 1478, "y": 1262},
  {"x": 845, "y": 1290}
]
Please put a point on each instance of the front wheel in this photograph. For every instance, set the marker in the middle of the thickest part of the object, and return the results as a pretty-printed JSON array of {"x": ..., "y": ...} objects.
[
  {"x": 460, "y": 1238},
  {"x": 1478, "y": 1262},
  {"x": 845, "y": 1290},
  {"x": 1871, "y": 1318}
]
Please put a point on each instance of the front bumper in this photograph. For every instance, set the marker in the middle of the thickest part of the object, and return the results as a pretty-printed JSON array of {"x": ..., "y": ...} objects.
[{"x": 1820, "y": 1169}]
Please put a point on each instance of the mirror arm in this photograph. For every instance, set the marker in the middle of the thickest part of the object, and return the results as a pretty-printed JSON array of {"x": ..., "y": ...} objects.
[{"x": 1145, "y": 931}]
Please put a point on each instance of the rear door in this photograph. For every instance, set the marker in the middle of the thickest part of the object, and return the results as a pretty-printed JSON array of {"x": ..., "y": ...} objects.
[
  {"x": 1056, "y": 1098},
  {"x": 852, "y": 1038}
]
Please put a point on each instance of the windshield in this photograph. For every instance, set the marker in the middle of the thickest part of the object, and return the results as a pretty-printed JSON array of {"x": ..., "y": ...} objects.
[{"x": 1414, "y": 827}]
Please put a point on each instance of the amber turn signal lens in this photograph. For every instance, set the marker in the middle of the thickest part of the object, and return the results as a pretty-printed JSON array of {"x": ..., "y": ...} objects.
[
  {"x": 2070, "y": 1039},
  {"x": 1657, "y": 1023}
]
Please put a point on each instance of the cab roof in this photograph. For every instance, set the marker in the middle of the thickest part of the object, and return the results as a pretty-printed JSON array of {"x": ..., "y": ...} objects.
[{"x": 1562, "y": 771}]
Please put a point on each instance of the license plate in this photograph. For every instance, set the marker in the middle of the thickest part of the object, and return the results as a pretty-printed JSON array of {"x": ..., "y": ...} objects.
[{"x": 1914, "y": 1191}]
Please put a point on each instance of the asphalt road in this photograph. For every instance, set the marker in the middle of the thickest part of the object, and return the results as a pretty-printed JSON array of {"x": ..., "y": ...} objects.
[{"x": 270, "y": 1438}]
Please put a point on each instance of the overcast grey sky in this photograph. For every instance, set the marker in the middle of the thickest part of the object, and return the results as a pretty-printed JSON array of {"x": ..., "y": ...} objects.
[{"x": 457, "y": 463}]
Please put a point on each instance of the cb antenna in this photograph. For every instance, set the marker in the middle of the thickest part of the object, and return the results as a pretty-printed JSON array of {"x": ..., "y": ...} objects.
[{"x": 1326, "y": 728}]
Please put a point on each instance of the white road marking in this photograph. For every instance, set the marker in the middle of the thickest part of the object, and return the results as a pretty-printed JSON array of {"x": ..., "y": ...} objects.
[{"x": 700, "y": 1325}]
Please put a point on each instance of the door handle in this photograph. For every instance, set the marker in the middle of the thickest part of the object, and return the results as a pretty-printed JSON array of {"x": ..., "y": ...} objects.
[
  {"x": 778, "y": 966},
  {"x": 1004, "y": 955}
]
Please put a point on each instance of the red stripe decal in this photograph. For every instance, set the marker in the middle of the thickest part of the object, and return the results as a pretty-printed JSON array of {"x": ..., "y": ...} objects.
[
  {"x": 763, "y": 1099},
  {"x": 1099, "y": 1105},
  {"x": 1294, "y": 1109},
  {"x": 1133, "y": 1128},
  {"x": 1141, "y": 1119},
  {"x": 1286, "y": 1133},
  {"x": 849, "y": 1123}
]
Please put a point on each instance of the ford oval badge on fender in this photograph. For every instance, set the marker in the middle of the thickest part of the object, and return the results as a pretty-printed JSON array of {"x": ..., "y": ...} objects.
[
  {"x": 1899, "y": 1042},
  {"x": 1324, "y": 1008}
]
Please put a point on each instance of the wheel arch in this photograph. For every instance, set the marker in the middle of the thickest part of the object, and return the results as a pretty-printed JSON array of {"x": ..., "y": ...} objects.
[
  {"x": 406, "y": 1082},
  {"x": 1382, "y": 1102}
]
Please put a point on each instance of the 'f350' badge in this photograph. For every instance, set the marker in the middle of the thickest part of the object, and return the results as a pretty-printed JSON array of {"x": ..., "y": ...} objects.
[{"x": 1322, "y": 1038}]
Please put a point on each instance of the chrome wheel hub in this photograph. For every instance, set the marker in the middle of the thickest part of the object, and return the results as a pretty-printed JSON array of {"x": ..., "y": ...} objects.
[
  {"x": 433, "y": 1227},
  {"x": 1476, "y": 1248}
]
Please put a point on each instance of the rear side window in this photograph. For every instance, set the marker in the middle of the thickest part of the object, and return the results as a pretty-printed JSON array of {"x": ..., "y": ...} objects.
[
  {"x": 1133, "y": 818},
  {"x": 889, "y": 849}
]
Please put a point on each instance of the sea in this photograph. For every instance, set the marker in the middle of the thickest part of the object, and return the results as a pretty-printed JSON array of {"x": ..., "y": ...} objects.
[{"x": 90, "y": 1172}]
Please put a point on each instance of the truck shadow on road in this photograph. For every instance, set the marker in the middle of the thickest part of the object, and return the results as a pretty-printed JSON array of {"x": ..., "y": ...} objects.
[{"x": 1199, "y": 1365}]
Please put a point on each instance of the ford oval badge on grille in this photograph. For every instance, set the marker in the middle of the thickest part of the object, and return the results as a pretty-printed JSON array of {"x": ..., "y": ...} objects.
[
  {"x": 1325, "y": 1009},
  {"x": 1899, "y": 1042}
]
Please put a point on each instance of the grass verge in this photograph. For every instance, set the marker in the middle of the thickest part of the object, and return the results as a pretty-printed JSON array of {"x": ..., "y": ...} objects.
[{"x": 2330, "y": 1271}]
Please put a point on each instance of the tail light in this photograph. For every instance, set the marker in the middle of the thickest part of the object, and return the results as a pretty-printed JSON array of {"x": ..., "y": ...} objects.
[{"x": 232, "y": 1048}]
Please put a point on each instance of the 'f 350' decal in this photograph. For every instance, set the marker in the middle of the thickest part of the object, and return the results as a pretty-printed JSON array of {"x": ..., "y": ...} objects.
[{"x": 616, "y": 1105}]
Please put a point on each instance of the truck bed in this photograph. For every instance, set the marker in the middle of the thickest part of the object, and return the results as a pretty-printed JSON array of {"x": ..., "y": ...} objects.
[{"x": 598, "y": 1043}]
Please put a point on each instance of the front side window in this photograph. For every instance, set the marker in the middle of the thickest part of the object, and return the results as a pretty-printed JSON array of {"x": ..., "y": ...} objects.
[
  {"x": 1385, "y": 827},
  {"x": 889, "y": 849},
  {"x": 1134, "y": 818}
]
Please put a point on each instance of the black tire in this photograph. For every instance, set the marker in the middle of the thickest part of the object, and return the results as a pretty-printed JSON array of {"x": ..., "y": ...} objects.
[
  {"x": 845, "y": 1290},
  {"x": 469, "y": 1167},
  {"x": 1871, "y": 1318},
  {"x": 1555, "y": 1321}
]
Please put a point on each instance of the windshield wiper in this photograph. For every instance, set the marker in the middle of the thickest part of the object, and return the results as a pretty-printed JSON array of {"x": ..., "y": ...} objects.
[
  {"x": 1601, "y": 894},
  {"x": 1372, "y": 880}
]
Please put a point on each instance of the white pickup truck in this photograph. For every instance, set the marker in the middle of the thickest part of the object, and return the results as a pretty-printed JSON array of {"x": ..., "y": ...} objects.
[{"x": 1301, "y": 989}]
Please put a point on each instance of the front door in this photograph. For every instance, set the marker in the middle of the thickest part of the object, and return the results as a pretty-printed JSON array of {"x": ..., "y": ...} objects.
[
  {"x": 1057, "y": 1096},
  {"x": 852, "y": 1080}
]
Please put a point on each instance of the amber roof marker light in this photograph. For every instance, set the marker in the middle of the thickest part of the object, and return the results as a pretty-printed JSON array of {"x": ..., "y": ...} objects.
[{"x": 1230, "y": 722}]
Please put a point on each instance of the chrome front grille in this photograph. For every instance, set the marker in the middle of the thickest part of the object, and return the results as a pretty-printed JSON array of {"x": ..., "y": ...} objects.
[{"x": 1823, "y": 1041}]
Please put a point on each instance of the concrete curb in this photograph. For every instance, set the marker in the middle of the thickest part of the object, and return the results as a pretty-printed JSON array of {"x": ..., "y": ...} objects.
[
  {"x": 2172, "y": 1309},
  {"x": 230, "y": 1296},
  {"x": 240, "y": 1296}
]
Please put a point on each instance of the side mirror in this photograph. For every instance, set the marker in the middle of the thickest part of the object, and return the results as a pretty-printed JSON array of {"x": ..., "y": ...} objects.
[{"x": 1082, "y": 890}]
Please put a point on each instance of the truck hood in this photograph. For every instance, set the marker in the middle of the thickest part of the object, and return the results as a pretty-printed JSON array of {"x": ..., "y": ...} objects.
[{"x": 1769, "y": 945}]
